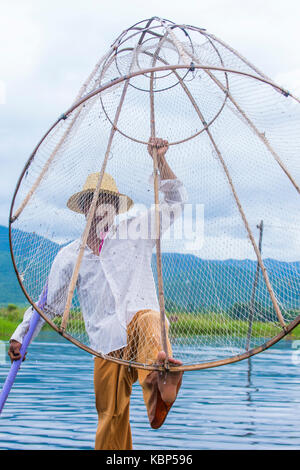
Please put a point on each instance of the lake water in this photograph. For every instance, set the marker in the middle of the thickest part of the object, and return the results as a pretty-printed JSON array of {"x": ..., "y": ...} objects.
[{"x": 241, "y": 406}]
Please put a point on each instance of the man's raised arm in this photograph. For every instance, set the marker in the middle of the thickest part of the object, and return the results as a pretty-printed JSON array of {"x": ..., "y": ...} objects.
[{"x": 166, "y": 173}]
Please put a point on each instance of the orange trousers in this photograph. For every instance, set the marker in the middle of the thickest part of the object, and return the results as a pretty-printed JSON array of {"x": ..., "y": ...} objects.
[{"x": 113, "y": 384}]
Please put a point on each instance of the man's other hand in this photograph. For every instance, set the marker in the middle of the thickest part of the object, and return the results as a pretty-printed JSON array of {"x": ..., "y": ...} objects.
[{"x": 14, "y": 351}]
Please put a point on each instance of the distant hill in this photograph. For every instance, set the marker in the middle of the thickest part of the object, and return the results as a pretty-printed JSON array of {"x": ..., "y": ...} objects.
[
  {"x": 195, "y": 283},
  {"x": 190, "y": 282},
  {"x": 29, "y": 247}
]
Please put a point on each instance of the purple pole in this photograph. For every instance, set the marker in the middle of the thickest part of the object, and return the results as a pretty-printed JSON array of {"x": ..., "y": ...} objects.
[{"x": 16, "y": 364}]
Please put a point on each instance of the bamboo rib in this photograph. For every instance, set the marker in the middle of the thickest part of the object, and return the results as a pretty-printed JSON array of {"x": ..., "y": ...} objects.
[
  {"x": 181, "y": 51},
  {"x": 44, "y": 169},
  {"x": 146, "y": 30},
  {"x": 60, "y": 143},
  {"x": 90, "y": 216},
  {"x": 158, "y": 225},
  {"x": 257, "y": 252},
  {"x": 158, "y": 247}
]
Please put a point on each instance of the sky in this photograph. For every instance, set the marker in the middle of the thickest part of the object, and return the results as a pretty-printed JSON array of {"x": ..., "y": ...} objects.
[{"x": 49, "y": 48}]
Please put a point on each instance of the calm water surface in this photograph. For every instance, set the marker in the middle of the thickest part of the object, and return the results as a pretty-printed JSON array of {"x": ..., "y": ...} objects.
[{"x": 240, "y": 406}]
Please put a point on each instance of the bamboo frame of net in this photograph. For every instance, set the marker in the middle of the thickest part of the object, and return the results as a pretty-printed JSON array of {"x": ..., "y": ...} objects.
[
  {"x": 157, "y": 221},
  {"x": 142, "y": 31}
]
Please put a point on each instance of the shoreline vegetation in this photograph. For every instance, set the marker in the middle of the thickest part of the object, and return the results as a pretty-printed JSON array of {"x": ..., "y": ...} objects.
[{"x": 181, "y": 324}]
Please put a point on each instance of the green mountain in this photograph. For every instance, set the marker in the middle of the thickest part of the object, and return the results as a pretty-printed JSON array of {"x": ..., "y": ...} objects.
[
  {"x": 29, "y": 247},
  {"x": 194, "y": 283},
  {"x": 190, "y": 283}
]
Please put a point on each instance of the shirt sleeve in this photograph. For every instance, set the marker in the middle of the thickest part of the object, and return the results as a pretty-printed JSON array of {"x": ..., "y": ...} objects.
[
  {"x": 171, "y": 206},
  {"x": 22, "y": 329},
  {"x": 173, "y": 190},
  {"x": 58, "y": 281}
]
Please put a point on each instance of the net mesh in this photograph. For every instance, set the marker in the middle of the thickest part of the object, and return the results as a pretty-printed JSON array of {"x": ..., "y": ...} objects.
[{"x": 233, "y": 150}]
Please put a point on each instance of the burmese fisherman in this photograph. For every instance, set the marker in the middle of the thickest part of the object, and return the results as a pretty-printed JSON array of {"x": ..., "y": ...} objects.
[{"x": 118, "y": 301}]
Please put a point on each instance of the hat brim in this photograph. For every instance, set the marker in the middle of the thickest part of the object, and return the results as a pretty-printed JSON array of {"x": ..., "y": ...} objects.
[{"x": 125, "y": 202}]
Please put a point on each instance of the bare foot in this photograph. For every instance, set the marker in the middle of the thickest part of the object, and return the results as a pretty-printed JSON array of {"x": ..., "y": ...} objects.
[{"x": 168, "y": 382}]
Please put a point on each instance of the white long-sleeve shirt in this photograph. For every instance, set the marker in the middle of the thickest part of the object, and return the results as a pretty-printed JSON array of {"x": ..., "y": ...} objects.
[{"x": 111, "y": 287}]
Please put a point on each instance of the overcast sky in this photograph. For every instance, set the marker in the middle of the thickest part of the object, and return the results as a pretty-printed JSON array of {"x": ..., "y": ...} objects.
[{"x": 49, "y": 48}]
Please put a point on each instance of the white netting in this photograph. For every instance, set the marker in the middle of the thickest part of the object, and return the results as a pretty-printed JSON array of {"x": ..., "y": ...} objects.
[{"x": 234, "y": 147}]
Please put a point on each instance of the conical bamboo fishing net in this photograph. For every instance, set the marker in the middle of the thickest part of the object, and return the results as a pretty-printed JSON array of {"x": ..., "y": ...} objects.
[{"x": 225, "y": 258}]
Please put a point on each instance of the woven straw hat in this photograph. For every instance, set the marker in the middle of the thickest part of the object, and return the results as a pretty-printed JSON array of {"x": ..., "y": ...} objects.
[{"x": 108, "y": 186}]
